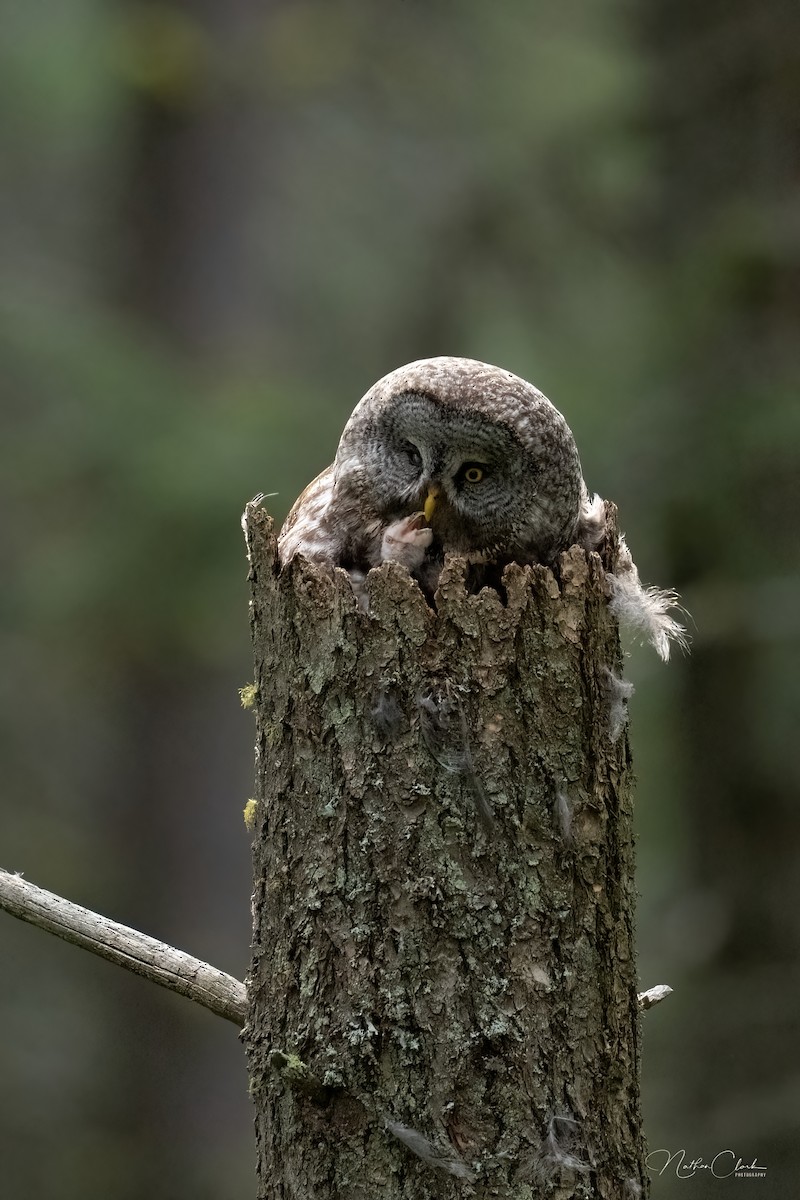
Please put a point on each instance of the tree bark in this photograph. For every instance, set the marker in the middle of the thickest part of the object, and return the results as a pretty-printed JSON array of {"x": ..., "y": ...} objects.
[{"x": 443, "y": 987}]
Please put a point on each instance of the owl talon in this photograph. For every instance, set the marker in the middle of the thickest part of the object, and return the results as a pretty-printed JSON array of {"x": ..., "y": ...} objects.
[{"x": 406, "y": 541}]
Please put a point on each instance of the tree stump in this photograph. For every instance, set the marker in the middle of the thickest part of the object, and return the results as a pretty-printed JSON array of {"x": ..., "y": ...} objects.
[{"x": 443, "y": 983}]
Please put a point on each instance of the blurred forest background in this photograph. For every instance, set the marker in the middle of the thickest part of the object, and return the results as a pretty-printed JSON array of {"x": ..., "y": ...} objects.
[{"x": 220, "y": 222}]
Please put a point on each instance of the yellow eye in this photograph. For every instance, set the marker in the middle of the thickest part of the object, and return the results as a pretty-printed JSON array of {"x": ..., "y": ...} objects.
[{"x": 473, "y": 474}]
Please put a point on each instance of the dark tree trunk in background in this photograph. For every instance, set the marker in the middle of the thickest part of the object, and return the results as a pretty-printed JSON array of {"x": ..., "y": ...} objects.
[
  {"x": 194, "y": 189},
  {"x": 443, "y": 990},
  {"x": 195, "y": 200},
  {"x": 725, "y": 106}
]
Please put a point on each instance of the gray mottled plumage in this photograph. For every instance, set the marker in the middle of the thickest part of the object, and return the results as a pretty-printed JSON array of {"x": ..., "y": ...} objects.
[{"x": 453, "y": 455}]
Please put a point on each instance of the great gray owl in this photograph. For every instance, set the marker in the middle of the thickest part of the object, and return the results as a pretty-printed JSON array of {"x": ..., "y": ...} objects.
[{"x": 450, "y": 454}]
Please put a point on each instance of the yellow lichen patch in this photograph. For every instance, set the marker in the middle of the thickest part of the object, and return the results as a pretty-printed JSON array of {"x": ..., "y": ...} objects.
[
  {"x": 250, "y": 814},
  {"x": 247, "y": 695}
]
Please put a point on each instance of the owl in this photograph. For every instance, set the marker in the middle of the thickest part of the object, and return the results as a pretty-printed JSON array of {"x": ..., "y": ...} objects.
[{"x": 451, "y": 455}]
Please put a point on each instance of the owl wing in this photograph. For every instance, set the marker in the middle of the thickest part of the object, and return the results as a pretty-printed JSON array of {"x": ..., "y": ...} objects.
[
  {"x": 328, "y": 524},
  {"x": 307, "y": 530}
]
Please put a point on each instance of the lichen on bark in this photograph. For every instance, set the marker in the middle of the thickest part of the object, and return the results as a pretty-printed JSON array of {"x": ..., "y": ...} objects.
[{"x": 443, "y": 900}]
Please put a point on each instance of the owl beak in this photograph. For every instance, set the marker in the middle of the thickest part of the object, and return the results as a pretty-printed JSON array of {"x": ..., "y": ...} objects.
[{"x": 430, "y": 502}]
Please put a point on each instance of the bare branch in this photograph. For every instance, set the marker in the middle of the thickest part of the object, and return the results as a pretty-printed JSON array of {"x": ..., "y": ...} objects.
[
  {"x": 143, "y": 955},
  {"x": 146, "y": 956},
  {"x": 653, "y": 995}
]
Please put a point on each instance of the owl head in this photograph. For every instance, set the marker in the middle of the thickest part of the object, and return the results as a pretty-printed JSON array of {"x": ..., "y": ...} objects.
[{"x": 484, "y": 454}]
